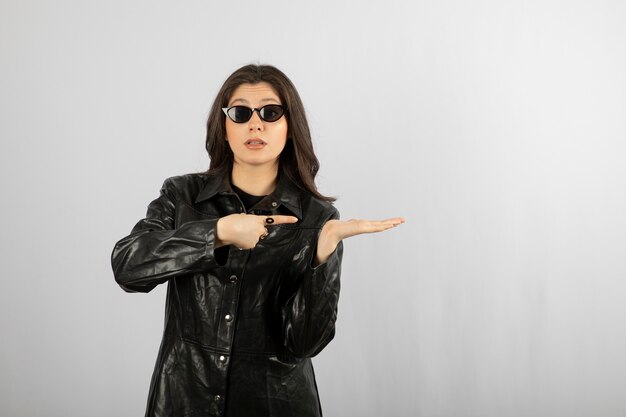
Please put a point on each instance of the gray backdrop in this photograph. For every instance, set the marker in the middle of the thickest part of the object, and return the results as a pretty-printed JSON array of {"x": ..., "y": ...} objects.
[{"x": 496, "y": 128}]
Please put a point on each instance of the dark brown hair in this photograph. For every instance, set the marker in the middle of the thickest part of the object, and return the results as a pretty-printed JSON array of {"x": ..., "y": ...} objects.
[{"x": 297, "y": 160}]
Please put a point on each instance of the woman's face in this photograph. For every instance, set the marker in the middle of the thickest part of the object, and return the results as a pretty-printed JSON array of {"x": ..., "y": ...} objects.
[{"x": 255, "y": 142}]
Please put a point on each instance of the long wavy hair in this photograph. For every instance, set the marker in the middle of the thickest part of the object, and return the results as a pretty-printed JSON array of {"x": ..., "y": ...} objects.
[{"x": 297, "y": 160}]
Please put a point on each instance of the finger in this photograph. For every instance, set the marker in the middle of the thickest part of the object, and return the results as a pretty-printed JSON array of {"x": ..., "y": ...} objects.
[
  {"x": 279, "y": 219},
  {"x": 376, "y": 226},
  {"x": 394, "y": 220},
  {"x": 357, "y": 227},
  {"x": 384, "y": 224}
]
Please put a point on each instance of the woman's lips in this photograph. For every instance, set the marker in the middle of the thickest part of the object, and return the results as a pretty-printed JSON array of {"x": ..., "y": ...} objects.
[{"x": 255, "y": 143}]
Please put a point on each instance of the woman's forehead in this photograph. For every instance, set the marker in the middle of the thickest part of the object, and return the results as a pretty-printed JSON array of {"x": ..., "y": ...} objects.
[{"x": 254, "y": 93}]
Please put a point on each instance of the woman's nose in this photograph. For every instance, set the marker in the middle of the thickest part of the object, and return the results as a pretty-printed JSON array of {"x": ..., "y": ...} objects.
[{"x": 255, "y": 121}]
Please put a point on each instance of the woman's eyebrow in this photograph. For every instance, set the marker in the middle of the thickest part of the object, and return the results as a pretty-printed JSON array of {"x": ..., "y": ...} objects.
[{"x": 244, "y": 101}]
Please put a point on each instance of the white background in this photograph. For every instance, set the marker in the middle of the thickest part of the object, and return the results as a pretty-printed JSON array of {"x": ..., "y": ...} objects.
[{"x": 497, "y": 128}]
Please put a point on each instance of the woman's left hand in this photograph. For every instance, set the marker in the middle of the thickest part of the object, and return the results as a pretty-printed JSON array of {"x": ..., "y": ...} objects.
[{"x": 334, "y": 231}]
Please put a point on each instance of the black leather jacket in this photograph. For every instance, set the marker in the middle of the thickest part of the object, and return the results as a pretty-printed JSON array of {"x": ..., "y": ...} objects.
[{"x": 240, "y": 325}]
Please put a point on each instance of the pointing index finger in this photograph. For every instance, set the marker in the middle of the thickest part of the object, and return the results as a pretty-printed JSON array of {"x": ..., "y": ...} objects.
[{"x": 279, "y": 219}]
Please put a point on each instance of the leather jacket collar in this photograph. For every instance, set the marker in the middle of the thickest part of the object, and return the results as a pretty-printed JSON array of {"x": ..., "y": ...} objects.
[{"x": 286, "y": 194}]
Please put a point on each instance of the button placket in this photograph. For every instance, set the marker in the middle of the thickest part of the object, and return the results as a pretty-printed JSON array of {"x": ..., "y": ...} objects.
[{"x": 230, "y": 302}]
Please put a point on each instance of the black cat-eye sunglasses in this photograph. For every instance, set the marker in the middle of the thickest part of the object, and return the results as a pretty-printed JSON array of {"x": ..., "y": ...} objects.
[{"x": 267, "y": 113}]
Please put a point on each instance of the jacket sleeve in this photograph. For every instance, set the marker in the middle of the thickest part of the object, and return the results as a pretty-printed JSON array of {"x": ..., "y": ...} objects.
[
  {"x": 156, "y": 251},
  {"x": 309, "y": 313}
]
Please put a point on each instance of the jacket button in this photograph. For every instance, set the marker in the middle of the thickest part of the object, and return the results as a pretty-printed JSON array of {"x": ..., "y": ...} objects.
[
  {"x": 274, "y": 203},
  {"x": 222, "y": 358},
  {"x": 228, "y": 317},
  {"x": 218, "y": 397},
  {"x": 233, "y": 278}
]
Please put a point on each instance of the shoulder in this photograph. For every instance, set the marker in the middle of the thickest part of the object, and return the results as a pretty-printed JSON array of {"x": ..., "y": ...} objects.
[
  {"x": 185, "y": 180},
  {"x": 316, "y": 212},
  {"x": 185, "y": 186}
]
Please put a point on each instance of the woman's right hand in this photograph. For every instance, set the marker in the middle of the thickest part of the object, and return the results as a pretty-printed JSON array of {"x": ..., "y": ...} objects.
[{"x": 245, "y": 230}]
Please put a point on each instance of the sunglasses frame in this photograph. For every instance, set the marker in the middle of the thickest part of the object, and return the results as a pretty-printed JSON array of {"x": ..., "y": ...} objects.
[{"x": 226, "y": 109}]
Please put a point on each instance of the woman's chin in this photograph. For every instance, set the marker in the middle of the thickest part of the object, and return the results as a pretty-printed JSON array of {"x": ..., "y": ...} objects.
[{"x": 257, "y": 162}]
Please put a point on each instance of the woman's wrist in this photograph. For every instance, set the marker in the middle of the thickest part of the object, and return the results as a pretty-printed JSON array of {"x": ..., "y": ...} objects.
[
  {"x": 220, "y": 239},
  {"x": 326, "y": 243}
]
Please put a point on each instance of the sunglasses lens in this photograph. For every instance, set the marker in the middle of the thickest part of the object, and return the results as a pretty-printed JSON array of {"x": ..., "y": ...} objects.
[
  {"x": 271, "y": 112},
  {"x": 239, "y": 114}
]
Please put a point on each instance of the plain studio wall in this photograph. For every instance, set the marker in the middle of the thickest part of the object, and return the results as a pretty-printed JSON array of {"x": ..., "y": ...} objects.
[{"x": 497, "y": 129}]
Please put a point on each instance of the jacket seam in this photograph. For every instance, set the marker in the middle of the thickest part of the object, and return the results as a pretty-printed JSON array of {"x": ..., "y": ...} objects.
[{"x": 214, "y": 349}]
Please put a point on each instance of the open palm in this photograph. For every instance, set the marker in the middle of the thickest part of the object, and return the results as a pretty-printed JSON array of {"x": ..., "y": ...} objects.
[{"x": 334, "y": 231}]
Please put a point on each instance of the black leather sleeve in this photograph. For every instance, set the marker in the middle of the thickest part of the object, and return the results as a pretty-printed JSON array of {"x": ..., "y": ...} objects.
[
  {"x": 309, "y": 314},
  {"x": 156, "y": 251}
]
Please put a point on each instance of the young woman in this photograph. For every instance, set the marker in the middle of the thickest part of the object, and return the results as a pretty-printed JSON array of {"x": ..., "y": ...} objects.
[{"x": 251, "y": 252}]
